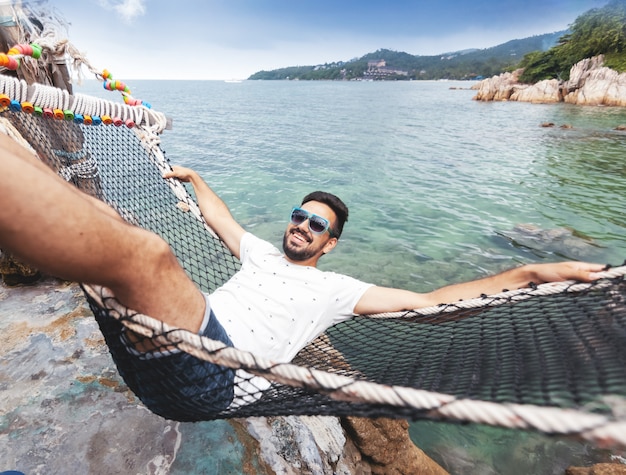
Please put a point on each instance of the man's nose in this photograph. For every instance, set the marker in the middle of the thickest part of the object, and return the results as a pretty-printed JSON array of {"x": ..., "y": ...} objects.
[{"x": 304, "y": 225}]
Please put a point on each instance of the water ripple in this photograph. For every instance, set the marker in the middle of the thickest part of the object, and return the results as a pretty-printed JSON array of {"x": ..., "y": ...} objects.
[{"x": 433, "y": 179}]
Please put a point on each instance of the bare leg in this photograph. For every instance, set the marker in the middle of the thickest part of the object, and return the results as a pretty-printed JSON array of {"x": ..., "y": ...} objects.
[{"x": 58, "y": 229}]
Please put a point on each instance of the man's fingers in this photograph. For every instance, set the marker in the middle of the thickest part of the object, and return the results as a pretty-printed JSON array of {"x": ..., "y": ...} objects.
[{"x": 588, "y": 272}]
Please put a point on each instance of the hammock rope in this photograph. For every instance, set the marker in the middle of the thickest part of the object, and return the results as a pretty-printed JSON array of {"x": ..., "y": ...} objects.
[
  {"x": 444, "y": 406},
  {"x": 550, "y": 358}
]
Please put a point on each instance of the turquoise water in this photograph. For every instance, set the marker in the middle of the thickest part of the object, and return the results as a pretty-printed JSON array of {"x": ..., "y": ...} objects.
[{"x": 441, "y": 189}]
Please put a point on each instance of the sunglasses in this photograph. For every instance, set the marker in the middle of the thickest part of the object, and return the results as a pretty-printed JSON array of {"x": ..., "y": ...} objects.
[{"x": 317, "y": 224}]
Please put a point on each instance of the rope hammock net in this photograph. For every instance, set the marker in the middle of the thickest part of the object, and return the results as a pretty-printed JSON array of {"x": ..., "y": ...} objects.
[{"x": 550, "y": 358}]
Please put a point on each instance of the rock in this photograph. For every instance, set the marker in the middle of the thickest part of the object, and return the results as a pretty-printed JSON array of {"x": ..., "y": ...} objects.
[
  {"x": 387, "y": 448},
  {"x": 294, "y": 445},
  {"x": 499, "y": 88},
  {"x": 562, "y": 241},
  {"x": 543, "y": 92},
  {"x": 590, "y": 83},
  {"x": 15, "y": 272},
  {"x": 580, "y": 70},
  {"x": 320, "y": 444},
  {"x": 598, "y": 469}
]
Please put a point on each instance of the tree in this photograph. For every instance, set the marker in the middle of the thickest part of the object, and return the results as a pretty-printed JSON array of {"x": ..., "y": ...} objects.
[{"x": 598, "y": 31}]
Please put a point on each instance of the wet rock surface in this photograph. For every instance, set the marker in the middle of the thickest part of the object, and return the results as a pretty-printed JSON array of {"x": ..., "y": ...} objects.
[{"x": 65, "y": 410}]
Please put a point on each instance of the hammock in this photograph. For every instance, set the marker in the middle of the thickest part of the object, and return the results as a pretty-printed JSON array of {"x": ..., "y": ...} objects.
[{"x": 550, "y": 358}]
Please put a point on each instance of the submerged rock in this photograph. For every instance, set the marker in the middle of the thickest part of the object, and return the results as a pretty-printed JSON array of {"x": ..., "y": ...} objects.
[{"x": 563, "y": 242}]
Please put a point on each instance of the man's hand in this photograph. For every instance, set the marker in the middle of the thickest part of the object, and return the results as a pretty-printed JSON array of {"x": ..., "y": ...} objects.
[
  {"x": 182, "y": 173},
  {"x": 558, "y": 272},
  {"x": 214, "y": 210}
]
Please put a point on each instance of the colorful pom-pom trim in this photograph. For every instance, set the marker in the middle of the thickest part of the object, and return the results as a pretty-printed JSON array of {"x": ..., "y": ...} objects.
[
  {"x": 11, "y": 60},
  {"x": 111, "y": 84}
]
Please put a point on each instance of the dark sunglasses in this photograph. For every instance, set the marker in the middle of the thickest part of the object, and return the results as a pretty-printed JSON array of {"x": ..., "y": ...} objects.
[{"x": 317, "y": 224}]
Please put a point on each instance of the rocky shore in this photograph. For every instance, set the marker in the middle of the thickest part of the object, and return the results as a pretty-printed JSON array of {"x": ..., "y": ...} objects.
[
  {"x": 64, "y": 409},
  {"x": 590, "y": 84}
]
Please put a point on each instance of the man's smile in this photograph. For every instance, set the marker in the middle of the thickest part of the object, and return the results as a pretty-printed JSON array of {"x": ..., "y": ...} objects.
[{"x": 300, "y": 236}]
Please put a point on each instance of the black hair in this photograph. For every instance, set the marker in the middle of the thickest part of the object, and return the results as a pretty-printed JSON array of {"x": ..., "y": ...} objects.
[{"x": 333, "y": 202}]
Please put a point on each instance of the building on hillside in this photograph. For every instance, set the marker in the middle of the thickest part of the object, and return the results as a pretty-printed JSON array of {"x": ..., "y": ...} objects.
[{"x": 378, "y": 69}]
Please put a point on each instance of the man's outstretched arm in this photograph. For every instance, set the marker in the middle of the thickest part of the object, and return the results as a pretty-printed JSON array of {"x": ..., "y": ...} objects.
[
  {"x": 383, "y": 299},
  {"x": 214, "y": 210}
]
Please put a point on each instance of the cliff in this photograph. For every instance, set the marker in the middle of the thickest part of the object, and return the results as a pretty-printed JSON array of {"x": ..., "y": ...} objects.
[{"x": 590, "y": 83}]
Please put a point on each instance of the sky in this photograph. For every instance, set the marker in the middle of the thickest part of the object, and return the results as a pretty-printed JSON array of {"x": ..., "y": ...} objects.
[{"x": 232, "y": 39}]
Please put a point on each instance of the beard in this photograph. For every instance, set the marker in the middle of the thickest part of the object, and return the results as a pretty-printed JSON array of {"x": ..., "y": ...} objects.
[{"x": 298, "y": 254}]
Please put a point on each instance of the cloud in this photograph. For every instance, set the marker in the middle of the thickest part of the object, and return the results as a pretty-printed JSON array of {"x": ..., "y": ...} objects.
[{"x": 127, "y": 9}]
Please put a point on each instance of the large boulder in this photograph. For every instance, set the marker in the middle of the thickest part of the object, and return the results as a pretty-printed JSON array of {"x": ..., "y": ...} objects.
[
  {"x": 386, "y": 448},
  {"x": 590, "y": 83},
  {"x": 543, "y": 92},
  {"x": 499, "y": 88}
]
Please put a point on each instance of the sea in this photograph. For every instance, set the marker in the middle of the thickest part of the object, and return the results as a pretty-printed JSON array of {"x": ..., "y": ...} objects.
[{"x": 441, "y": 189}]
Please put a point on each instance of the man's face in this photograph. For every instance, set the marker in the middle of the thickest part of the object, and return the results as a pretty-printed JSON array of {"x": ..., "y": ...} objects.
[{"x": 300, "y": 244}]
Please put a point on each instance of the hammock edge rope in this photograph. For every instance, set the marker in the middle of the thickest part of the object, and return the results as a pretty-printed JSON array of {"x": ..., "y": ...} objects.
[{"x": 597, "y": 428}]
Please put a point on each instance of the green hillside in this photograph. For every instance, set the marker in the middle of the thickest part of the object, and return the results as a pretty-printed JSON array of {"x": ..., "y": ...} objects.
[
  {"x": 467, "y": 64},
  {"x": 598, "y": 31}
]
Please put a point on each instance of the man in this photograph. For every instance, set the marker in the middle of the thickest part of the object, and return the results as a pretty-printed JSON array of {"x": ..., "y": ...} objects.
[
  {"x": 303, "y": 246},
  {"x": 274, "y": 306}
]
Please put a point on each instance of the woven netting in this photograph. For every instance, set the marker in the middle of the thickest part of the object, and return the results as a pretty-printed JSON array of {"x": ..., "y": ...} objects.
[{"x": 551, "y": 358}]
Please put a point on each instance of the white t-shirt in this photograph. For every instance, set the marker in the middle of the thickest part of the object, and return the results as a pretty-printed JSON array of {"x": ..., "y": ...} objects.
[{"x": 274, "y": 308}]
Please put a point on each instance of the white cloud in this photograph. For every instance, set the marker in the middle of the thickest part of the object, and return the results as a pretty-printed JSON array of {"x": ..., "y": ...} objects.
[{"x": 127, "y": 9}]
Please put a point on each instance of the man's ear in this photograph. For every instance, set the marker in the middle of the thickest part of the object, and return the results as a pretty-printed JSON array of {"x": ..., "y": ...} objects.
[{"x": 330, "y": 245}]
